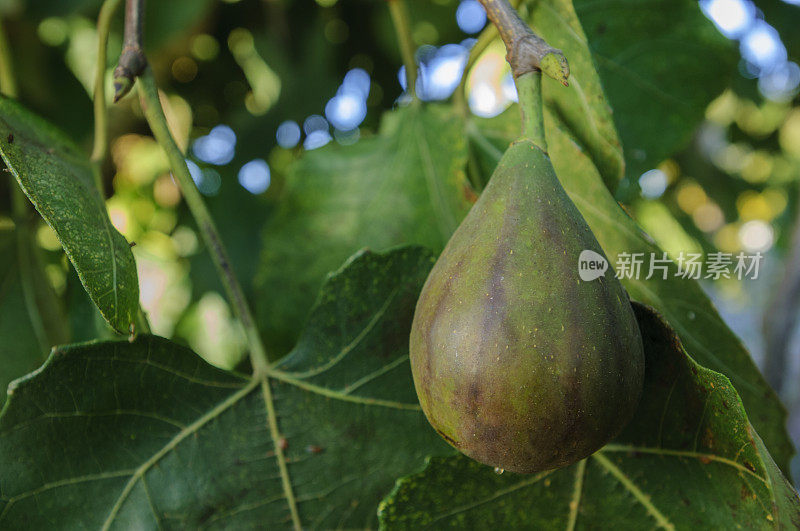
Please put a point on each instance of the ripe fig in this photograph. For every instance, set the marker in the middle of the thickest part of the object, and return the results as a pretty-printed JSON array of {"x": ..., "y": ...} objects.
[{"x": 517, "y": 362}]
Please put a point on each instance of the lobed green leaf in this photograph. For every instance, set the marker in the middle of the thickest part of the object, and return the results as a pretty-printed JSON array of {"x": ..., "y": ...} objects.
[{"x": 147, "y": 435}]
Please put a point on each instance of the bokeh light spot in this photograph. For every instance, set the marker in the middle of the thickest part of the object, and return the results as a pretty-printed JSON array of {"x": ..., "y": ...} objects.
[
  {"x": 217, "y": 147},
  {"x": 288, "y": 134},
  {"x": 336, "y": 31},
  {"x": 53, "y": 31},
  {"x": 205, "y": 47},
  {"x": 483, "y": 101},
  {"x": 732, "y": 17},
  {"x": 317, "y": 139},
  {"x": 470, "y": 16},
  {"x": 346, "y": 110},
  {"x": 653, "y": 183},
  {"x": 762, "y": 47},
  {"x": 313, "y": 123},
  {"x": 756, "y": 236},
  {"x": 356, "y": 80},
  {"x": 210, "y": 183},
  {"x": 195, "y": 172},
  {"x": 184, "y": 69},
  {"x": 254, "y": 176}
]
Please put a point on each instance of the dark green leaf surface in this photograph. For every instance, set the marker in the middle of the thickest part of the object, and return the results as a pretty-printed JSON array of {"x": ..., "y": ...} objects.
[
  {"x": 57, "y": 178},
  {"x": 145, "y": 435},
  {"x": 688, "y": 459},
  {"x": 406, "y": 185},
  {"x": 24, "y": 344},
  {"x": 167, "y": 21},
  {"x": 582, "y": 105},
  {"x": 661, "y": 62},
  {"x": 659, "y": 74}
]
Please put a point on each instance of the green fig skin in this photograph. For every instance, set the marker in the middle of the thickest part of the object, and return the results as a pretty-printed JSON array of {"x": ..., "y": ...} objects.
[{"x": 517, "y": 362}]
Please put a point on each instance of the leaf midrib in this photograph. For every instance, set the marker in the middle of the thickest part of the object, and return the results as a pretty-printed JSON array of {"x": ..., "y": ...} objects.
[
  {"x": 254, "y": 383},
  {"x": 637, "y": 493}
]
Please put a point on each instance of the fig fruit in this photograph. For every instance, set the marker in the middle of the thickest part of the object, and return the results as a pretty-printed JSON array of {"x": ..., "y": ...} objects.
[{"x": 517, "y": 362}]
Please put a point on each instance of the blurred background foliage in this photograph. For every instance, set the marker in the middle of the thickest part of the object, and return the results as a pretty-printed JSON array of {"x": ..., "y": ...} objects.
[{"x": 249, "y": 85}]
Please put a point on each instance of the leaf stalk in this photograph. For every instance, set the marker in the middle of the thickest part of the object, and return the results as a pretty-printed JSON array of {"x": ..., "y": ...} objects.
[
  {"x": 154, "y": 113},
  {"x": 402, "y": 25},
  {"x": 8, "y": 84},
  {"x": 100, "y": 113}
]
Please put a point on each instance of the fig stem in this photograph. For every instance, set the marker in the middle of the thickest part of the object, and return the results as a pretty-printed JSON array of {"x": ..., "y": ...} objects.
[
  {"x": 402, "y": 26},
  {"x": 529, "y": 91},
  {"x": 525, "y": 51},
  {"x": 132, "y": 61}
]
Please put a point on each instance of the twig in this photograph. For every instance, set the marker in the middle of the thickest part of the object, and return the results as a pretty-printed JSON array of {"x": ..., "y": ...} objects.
[
  {"x": 402, "y": 26},
  {"x": 132, "y": 61},
  {"x": 526, "y": 51},
  {"x": 100, "y": 120}
]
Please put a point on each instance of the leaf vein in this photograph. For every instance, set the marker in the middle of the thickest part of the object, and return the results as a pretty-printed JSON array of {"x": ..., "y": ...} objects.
[
  {"x": 682, "y": 453},
  {"x": 496, "y": 495},
  {"x": 637, "y": 493},
  {"x": 340, "y": 395},
  {"x": 577, "y": 492},
  {"x": 354, "y": 343},
  {"x": 174, "y": 442}
]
